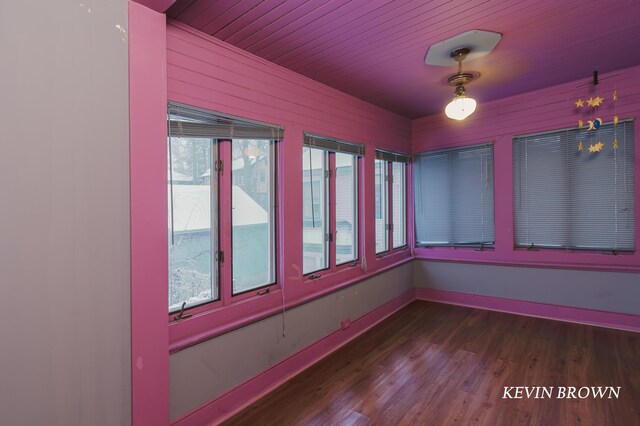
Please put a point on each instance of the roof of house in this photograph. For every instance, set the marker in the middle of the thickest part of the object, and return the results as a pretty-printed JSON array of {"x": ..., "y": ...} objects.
[{"x": 191, "y": 210}]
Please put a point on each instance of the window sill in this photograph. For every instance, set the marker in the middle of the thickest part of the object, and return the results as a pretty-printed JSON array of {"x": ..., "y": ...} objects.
[
  {"x": 223, "y": 319},
  {"x": 547, "y": 258}
]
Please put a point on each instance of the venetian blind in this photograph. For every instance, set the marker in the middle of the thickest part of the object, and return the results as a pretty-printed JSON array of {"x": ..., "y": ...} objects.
[
  {"x": 454, "y": 197},
  {"x": 569, "y": 198}
]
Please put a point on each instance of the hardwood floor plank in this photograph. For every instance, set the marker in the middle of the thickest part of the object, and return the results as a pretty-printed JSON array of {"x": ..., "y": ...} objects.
[{"x": 439, "y": 364}]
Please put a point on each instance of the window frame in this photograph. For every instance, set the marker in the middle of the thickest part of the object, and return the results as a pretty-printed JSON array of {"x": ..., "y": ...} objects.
[
  {"x": 214, "y": 204},
  {"x": 389, "y": 158},
  {"x": 384, "y": 207},
  {"x": 331, "y": 147},
  {"x": 273, "y": 221},
  {"x": 222, "y": 232},
  {"x": 356, "y": 214},
  {"x": 404, "y": 205},
  {"x": 569, "y": 182},
  {"x": 328, "y": 217}
]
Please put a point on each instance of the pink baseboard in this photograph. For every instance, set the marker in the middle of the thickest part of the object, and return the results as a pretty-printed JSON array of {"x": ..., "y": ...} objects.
[
  {"x": 534, "y": 309},
  {"x": 228, "y": 404}
]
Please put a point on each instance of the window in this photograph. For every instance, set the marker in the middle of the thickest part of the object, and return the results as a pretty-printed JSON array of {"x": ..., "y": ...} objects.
[
  {"x": 253, "y": 221},
  {"x": 346, "y": 208},
  {"x": 567, "y": 197},
  {"x": 192, "y": 237},
  {"x": 390, "y": 200},
  {"x": 315, "y": 201},
  {"x": 454, "y": 197},
  {"x": 382, "y": 206},
  {"x": 201, "y": 227},
  {"x": 399, "y": 203},
  {"x": 329, "y": 202}
]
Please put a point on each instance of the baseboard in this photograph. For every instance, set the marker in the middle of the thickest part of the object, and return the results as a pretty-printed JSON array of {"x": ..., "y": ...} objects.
[
  {"x": 613, "y": 320},
  {"x": 230, "y": 403}
]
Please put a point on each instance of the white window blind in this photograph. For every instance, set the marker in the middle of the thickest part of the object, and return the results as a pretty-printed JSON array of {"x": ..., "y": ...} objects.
[
  {"x": 574, "y": 199},
  {"x": 189, "y": 121},
  {"x": 454, "y": 203}
]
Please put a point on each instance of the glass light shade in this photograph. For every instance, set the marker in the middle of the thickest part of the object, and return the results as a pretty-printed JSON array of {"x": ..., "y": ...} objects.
[{"x": 460, "y": 107}]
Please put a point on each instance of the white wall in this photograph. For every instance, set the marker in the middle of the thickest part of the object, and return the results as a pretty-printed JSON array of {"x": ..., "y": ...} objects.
[{"x": 64, "y": 213}]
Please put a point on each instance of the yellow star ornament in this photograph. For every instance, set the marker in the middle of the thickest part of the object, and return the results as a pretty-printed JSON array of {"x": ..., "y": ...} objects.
[
  {"x": 597, "y": 147},
  {"x": 615, "y": 144},
  {"x": 579, "y": 103},
  {"x": 615, "y": 120},
  {"x": 580, "y": 146},
  {"x": 615, "y": 95},
  {"x": 598, "y": 101},
  {"x": 580, "y": 123}
]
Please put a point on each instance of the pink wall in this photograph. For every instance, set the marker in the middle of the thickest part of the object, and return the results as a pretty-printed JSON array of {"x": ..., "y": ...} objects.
[
  {"x": 148, "y": 165},
  {"x": 532, "y": 112},
  {"x": 207, "y": 73}
]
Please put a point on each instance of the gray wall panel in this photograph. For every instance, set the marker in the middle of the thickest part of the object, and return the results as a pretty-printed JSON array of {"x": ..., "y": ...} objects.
[
  {"x": 599, "y": 290},
  {"x": 203, "y": 372}
]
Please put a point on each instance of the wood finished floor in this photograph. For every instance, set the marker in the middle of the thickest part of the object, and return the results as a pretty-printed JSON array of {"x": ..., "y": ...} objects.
[{"x": 436, "y": 364}]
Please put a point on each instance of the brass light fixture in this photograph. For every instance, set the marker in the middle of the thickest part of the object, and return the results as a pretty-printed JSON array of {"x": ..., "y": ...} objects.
[{"x": 462, "y": 105}]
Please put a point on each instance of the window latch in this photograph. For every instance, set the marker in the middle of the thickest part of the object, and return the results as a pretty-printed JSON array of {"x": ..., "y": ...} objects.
[
  {"x": 314, "y": 276},
  {"x": 181, "y": 315},
  {"x": 328, "y": 237},
  {"x": 481, "y": 248},
  {"x": 265, "y": 291},
  {"x": 219, "y": 166},
  {"x": 532, "y": 247}
]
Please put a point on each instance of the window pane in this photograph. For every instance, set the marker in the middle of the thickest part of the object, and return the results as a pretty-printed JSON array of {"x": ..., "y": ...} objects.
[
  {"x": 253, "y": 224},
  {"x": 346, "y": 208},
  {"x": 399, "y": 205},
  {"x": 314, "y": 210},
  {"x": 432, "y": 199},
  {"x": 382, "y": 190},
  {"x": 540, "y": 193},
  {"x": 454, "y": 202},
  {"x": 191, "y": 238},
  {"x": 472, "y": 196},
  {"x": 565, "y": 197}
]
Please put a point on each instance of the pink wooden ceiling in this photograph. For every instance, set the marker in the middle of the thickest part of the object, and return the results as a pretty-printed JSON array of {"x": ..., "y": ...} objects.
[{"x": 374, "y": 49}]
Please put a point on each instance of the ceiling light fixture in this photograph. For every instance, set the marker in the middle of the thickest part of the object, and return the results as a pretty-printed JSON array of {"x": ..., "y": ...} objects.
[{"x": 462, "y": 105}]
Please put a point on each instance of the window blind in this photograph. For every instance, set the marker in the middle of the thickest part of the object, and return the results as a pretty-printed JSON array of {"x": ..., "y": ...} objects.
[
  {"x": 454, "y": 197},
  {"x": 188, "y": 121},
  {"x": 392, "y": 156},
  {"x": 573, "y": 199},
  {"x": 332, "y": 144}
]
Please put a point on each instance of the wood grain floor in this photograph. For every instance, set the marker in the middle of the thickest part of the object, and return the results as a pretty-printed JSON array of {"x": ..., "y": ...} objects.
[{"x": 436, "y": 364}]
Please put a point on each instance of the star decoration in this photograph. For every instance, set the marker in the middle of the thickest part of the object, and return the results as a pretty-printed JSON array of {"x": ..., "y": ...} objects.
[
  {"x": 615, "y": 120},
  {"x": 615, "y": 95},
  {"x": 580, "y": 146},
  {"x": 597, "y": 147},
  {"x": 594, "y": 102},
  {"x": 580, "y": 123},
  {"x": 579, "y": 103},
  {"x": 615, "y": 144}
]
